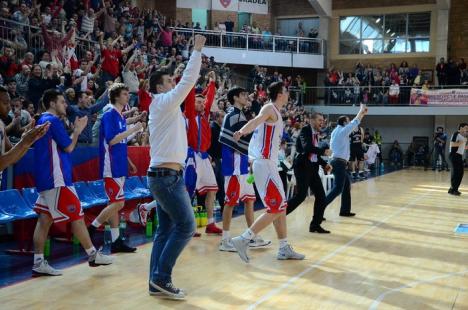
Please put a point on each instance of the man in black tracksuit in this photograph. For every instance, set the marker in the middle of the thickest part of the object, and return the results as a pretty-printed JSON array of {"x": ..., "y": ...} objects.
[
  {"x": 306, "y": 169},
  {"x": 457, "y": 150}
]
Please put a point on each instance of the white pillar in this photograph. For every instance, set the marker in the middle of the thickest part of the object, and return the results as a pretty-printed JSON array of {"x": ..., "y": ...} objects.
[{"x": 442, "y": 34}]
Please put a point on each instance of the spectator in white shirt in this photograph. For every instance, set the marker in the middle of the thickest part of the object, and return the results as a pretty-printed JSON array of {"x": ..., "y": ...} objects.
[{"x": 394, "y": 92}]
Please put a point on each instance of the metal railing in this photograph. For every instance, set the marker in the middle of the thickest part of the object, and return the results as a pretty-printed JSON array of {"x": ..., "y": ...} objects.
[
  {"x": 354, "y": 95},
  {"x": 32, "y": 35},
  {"x": 257, "y": 42}
]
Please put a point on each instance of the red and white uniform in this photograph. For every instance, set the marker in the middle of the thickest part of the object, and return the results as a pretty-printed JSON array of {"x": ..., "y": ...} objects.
[
  {"x": 263, "y": 151},
  {"x": 199, "y": 139}
]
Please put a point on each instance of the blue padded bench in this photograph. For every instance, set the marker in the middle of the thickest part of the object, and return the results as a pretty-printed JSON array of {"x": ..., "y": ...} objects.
[{"x": 13, "y": 205}]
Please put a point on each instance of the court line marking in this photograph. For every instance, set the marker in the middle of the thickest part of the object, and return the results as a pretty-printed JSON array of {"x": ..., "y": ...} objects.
[
  {"x": 337, "y": 251},
  {"x": 381, "y": 297}
]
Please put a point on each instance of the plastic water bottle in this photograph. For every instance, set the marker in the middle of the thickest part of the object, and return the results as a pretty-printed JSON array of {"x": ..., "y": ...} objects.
[
  {"x": 122, "y": 227},
  {"x": 198, "y": 216},
  {"x": 149, "y": 229},
  {"x": 47, "y": 248},
  {"x": 76, "y": 241},
  {"x": 250, "y": 179},
  {"x": 107, "y": 235},
  {"x": 204, "y": 218}
]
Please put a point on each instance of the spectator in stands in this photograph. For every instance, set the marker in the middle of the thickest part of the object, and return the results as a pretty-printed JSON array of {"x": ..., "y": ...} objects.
[
  {"x": 394, "y": 93},
  {"x": 112, "y": 56},
  {"x": 85, "y": 109},
  {"x": 441, "y": 69},
  {"x": 229, "y": 24},
  {"x": 453, "y": 73},
  {"x": 20, "y": 120},
  {"x": 144, "y": 97},
  {"x": 21, "y": 80},
  {"x": 37, "y": 85}
]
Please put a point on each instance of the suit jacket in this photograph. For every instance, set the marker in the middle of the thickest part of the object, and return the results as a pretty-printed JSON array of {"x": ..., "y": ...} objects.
[{"x": 305, "y": 147}]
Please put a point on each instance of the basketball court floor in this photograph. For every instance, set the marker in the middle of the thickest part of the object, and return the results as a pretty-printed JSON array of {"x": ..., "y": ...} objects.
[{"x": 399, "y": 252}]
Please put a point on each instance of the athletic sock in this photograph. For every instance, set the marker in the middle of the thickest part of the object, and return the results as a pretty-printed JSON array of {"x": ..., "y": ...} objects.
[
  {"x": 38, "y": 258},
  {"x": 96, "y": 223},
  {"x": 115, "y": 234},
  {"x": 248, "y": 234},
  {"x": 91, "y": 251},
  {"x": 283, "y": 243},
  {"x": 211, "y": 220},
  {"x": 226, "y": 235}
]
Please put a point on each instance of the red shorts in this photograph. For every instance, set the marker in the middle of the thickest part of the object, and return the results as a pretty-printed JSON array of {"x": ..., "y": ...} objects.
[
  {"x": 61, "y": 203},
  {"x": 115, "y": 189},
  {"x": 237, "y": 188}
]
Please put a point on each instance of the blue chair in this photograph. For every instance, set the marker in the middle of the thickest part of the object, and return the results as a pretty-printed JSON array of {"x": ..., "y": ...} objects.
[
  {"x": 86, "y": 197},
  {"x": 134, "y": 189},
  {"x": 144, "y": 180},
  {"x": 5, "y": 218},
  {"x": 12, "y": 204},
  {"x": 30, "y": 196},
  {"x": 99, "y": 192}
]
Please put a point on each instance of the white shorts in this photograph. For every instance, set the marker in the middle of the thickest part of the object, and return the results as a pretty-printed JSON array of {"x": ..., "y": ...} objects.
[
  {"x": 269, "y": 185},
  {"x": 206, "y": 179},
  {"x": 237, "y": 189},
  {"x": 61, "y": 203}
]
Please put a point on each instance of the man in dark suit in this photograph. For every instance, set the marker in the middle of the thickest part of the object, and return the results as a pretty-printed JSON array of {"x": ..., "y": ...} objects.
[{"x": 306, "y": 169}]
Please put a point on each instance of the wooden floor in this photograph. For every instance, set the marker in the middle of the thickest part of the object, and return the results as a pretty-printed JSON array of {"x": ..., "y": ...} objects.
[{"x": 399, "y": 252}]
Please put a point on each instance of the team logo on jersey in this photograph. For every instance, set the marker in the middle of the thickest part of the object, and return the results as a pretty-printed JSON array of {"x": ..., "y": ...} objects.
[
  {"x": 225, "y": 3},
  {"x": 71, "y": 208}
]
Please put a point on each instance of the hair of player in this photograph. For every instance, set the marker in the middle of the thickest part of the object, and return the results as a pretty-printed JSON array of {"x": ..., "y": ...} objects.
[
  {"x": 49, "y": 96},
  {"x": 274, "y": 90},
  {"x": 234, "y": 92},
  {"x": 115, "y": 90},
  {"x": 157, "y": 78}
]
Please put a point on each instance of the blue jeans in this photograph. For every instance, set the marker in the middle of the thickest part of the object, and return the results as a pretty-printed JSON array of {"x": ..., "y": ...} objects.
[
  {"x": 342, "y": 185},
  {"x": 176, "y": 225}
]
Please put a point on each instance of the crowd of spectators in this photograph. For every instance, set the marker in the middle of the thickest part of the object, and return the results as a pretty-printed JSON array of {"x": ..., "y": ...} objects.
[{"x": 392, "y": 85}]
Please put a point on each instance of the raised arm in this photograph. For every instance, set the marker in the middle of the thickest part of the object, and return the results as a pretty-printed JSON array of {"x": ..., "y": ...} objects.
[
  {"x": 174, "y": 98},
  {"x": 210, "y": 96},
  {"x": 356, "y": 121},
  {"x": 266, "y": 113}
]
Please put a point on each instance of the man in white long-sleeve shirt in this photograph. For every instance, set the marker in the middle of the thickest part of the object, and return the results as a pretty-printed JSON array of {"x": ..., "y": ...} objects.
[{"x": 168, "y": 142}]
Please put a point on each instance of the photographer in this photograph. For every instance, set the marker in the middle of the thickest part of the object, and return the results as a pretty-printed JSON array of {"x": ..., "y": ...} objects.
[{"x": 440, "y": 140}]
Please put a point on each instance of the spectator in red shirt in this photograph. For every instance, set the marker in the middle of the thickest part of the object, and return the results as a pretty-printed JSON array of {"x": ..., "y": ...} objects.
[
  {"x": 111, "y": 57},
  {"x": 166, "y": 35},
  {"x": 144, "y": 97},
  {"x": 8, "y": 64},
  {"x": 55, "y": 42}
]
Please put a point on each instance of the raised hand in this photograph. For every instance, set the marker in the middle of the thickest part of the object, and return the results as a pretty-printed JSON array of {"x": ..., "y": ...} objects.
[
  {"x": 33, "y": 134},
  {"x": 199, "y": 42},
  {"x": 80, "y": 124}
]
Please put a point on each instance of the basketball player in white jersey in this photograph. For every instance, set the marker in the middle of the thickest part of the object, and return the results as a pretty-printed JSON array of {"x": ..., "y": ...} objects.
[{"x": 263, "y": 152}]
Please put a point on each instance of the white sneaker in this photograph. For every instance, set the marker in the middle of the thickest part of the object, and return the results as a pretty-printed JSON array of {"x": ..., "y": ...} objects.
[
  {"x": 226, "y": 246},
  {"x": 100, "y": 259},
  {"x": 287, "y": 252},
  {"x": 142, "y": 214},
  {"x": 42, "y": 268},
  {"x": 241, "y": 245},
  {"x": 258, "y": 242}
]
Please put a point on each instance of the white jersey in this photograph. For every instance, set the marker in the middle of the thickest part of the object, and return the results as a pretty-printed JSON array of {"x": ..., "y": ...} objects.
[
  {"x": 2, "y": 144},
  {"x": 266, "y": 139}
]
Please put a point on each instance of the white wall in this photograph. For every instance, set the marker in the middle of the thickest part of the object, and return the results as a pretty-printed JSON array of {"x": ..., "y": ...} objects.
[
  {"x": 401, "y": 128},
  {"x": 248, "y": 57}
]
